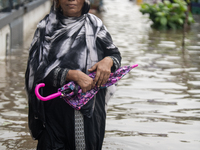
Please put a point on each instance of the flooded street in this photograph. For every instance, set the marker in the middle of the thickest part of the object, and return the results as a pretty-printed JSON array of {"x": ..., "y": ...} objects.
[{"x": 156, "y": 106}]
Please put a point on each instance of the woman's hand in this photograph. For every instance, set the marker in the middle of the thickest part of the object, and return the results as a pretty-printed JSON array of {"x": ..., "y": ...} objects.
[
  {"x": 103, "y": 70},
  {"x": 82, "y": 79}
]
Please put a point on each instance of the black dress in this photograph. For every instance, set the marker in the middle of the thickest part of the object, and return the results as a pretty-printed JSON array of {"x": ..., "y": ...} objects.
[
  {"x": 64, "y": 124},
  {"x": 62, "y": 121}
]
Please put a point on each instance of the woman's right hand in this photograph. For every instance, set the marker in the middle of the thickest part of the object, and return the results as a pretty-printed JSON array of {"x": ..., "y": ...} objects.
[{"x": 82, "y": 79}]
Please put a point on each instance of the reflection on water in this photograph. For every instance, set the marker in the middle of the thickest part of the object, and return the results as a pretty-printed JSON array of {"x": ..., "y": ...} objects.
[
  {"x": 14, "y": 132},
  {"x": 156, "y": 105}
]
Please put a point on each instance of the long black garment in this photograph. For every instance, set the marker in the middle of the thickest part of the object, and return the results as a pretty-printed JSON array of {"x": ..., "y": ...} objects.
[
  {"x": 61, "y": 44},
  {"x": 59, "y": 128}
]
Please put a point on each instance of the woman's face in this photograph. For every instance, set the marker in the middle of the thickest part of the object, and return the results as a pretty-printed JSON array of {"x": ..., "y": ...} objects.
[{"x": 71, "y": 8}]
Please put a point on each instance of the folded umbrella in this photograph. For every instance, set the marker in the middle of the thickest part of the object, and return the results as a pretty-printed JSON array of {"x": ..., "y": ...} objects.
[{"x": 72, "y": 93}]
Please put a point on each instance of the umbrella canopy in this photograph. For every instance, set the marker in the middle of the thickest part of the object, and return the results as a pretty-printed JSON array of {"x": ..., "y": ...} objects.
[{"x": 72, "y": 93}]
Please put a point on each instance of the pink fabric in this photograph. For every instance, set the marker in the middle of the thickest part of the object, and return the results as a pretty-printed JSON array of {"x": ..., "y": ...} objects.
[{"x": 80, "y": 99}]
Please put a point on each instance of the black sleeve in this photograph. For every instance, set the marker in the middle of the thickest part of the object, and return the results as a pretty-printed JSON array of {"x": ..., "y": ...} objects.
[
  {"x": 57, "y": 77},
  {"x": 106, "y": 48}
]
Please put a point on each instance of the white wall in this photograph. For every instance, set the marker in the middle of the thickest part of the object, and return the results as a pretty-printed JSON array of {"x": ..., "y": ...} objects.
[
  {"x": 3, "y": 32},
  {"x": 32, "y": 18},
  {"x": 30, "y": 21}
]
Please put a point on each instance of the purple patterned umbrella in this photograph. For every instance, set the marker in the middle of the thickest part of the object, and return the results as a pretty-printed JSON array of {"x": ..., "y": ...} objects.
[{"x": 78, "y": 99}]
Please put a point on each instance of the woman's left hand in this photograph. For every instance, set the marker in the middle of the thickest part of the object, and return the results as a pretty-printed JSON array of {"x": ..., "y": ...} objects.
[{"x": 103, "y": 70}]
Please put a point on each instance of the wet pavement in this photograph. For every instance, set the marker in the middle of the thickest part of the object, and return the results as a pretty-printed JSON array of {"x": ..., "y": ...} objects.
[{"x": 156, "y": 106}]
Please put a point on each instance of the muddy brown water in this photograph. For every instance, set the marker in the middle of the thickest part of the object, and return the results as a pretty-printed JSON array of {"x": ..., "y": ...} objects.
[{"x": 156, "y": 106}]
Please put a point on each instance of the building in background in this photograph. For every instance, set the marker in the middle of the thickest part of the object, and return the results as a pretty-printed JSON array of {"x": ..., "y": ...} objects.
[
  {"x": 17, "y": 17},
  {"x": 8, "y": 5}
]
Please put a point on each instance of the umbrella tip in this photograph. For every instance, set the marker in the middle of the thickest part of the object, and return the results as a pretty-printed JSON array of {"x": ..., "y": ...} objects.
[{"x": 135, "y": 65}]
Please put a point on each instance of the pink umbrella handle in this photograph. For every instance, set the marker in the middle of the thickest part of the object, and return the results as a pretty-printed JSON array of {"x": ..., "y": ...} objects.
[{"x": 52, "y": 96}]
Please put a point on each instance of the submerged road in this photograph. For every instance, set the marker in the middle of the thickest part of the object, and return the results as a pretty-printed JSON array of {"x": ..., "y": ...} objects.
[{"x": 156, "y": 106}]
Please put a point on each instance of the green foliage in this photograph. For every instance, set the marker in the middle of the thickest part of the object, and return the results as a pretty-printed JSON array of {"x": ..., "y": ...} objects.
[{"x": 167, "y": 15}]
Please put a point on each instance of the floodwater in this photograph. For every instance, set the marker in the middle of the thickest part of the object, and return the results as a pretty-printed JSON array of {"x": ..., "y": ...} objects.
[{"x": 156, "y": 106}]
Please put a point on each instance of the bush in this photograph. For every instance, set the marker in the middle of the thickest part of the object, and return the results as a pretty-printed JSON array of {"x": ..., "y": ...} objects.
[{"x": 167, "y": 15}]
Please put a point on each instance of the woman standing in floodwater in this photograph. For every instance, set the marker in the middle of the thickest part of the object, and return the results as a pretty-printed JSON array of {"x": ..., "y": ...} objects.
[{"x": 68, "y": 44}]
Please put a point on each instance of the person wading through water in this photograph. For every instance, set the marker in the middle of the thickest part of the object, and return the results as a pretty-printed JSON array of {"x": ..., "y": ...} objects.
[{"x": 68, "y": 44}]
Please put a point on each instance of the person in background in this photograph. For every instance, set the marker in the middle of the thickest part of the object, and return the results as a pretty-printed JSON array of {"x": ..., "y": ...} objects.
[{"x": 68, "y": 44}]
